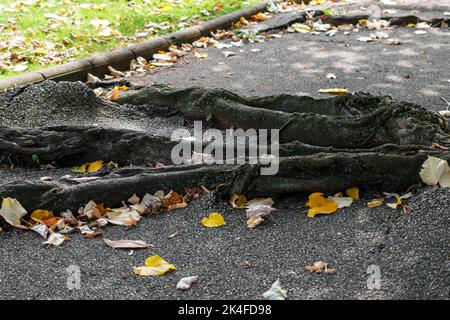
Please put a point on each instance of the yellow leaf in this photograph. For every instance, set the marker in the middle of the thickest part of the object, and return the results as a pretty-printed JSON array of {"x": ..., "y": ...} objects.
[
  {"x": 214, "y": 220},
  {"x": 88, "y": 167},
  {"x": 114, "y": 94},
  {"x": 258, "y": 17},
  {"x": 12, "y": 211},
  {"x": 238, "y": 201},
  {"x": 94, "y": 166},
  {"x": 353, "y": 193},
  {"x": 243, "y": 21},
  {"x": 166, "y": 8},
  {"x": 319, "y": 205},
  {"x": 395, "y": 204},
  {"x": 41, "y": 215},
  {"x": 40, "y": 52},
  {"x": 200, "y": 55},
  {"x": 334, "y": 91},
  {"x": 375, "y": 202},
  {"x": 154, "y": 266},
  {"x": 301, "y": 28}
]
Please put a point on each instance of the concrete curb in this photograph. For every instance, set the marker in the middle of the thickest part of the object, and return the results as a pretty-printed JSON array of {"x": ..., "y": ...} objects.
[{"x": 120, "y": 58}]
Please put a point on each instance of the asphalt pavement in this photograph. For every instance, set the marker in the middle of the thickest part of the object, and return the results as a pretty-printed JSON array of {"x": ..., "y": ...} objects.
[{"x": 410, "y": 250}]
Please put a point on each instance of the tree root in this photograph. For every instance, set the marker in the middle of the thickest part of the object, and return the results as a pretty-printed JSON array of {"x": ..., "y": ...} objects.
[
  {"x": 319, "y": 172},
  {"x": 326, "y": 145}
]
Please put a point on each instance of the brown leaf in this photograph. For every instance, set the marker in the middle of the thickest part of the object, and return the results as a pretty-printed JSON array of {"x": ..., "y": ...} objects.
[
  {"x": 254, "y": 221},
  {"x": 320, "y": 266},
  {"x": 93, "y": 235},
  {"x": 115, "y": 73},
  {"x": 127, "y": 244}
]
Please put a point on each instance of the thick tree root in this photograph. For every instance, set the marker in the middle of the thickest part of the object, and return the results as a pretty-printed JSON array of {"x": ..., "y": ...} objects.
[
  {"x": 349, "y": 121},
  {"x": 319, "y": 172},
  {"x": 326, "y": 145}
]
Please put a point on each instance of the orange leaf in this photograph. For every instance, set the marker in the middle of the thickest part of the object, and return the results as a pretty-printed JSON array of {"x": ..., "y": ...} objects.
[
  {"x": 41, "y": 215},
  {"x": 51, "y": 221},
  {"x": 92, "y": 235},
  {"x": 319, "y": 205},
  {"x": 171, "y": 199}
]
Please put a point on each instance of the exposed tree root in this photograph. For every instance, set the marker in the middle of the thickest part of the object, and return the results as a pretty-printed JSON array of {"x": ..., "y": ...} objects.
[
  {"x": 319, "y": 172},
  {"x": 349, "y": 121},
  {"x": 326, "y": 145}
]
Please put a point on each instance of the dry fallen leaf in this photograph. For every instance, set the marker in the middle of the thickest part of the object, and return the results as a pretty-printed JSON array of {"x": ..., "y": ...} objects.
[
  {"x": 55, "y": 239},
  {"x": 41, "y": 215},
  {"x": 320, "y": 266},
  {"x": 254, "y": 221},
  {"x": 173, "y": 235},
  {"x": 435, "y": 171},
  {"x": 42, "y": 229},
  {"x": 149, "y": 204},
  {"x": 12, "y": 211},
  {"x": 319, "y": 205},
  {"x": 258, "y": 17},
  {"x": 395, "y": 204},
  {"x": 93, "y": 210},
  {"x": 238, "y": 201},
  {"x": 259, "y": 201},
  {"x": 214, "y": 220},
  {"x": 123, "y": 216},
  {"x": 180, "y": 205},
  {"x": 334, "y": 91},
  {"x": 227, "y": 54},
  {"x": 92, "y": 235},
  {"x": 257, "y": 211},
  {"x": 275, "y": 292},
  {"x": 375, "y": 202},
  {"x": 300, "y": 28},
  {"x": 127, "y": 244},
  {"x": 88, "y": 167},
  {"x": 186, "y": 283},
  {"x": 331, "y": 76},
  {"x": 134, "y": 199},
  {"x": 154, "y": 266},
  {"x": 366, "y": 39},
  {"x": 172, "y": 201},
  {"x": 200, "y": 55},
  {"x": 353, "y": 193},
  {"x": 342, "y": 202},
  {"x": 92, "y": 79},
  {"x": 115, "y": 73},
  {"x": 115, "y": 92}
]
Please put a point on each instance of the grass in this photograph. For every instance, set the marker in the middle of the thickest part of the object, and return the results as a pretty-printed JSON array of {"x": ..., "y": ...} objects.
[{"x": 39, "y": 33}]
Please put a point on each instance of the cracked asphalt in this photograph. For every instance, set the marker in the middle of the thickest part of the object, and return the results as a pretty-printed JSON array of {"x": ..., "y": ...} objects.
[{"x": 411, "y": 250}]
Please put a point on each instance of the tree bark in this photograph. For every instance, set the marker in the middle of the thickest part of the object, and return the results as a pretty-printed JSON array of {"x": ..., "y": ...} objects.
[{"x": 327, "y": 145}]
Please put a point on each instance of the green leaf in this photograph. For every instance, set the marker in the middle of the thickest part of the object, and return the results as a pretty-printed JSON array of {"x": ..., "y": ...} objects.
[
  {"x": 35, "y": 158},
  {"x": 327, "y": 12}
]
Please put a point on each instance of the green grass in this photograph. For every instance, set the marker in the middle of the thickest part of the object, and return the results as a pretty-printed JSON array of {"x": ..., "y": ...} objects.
[{"x": 30, "y": 36}]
